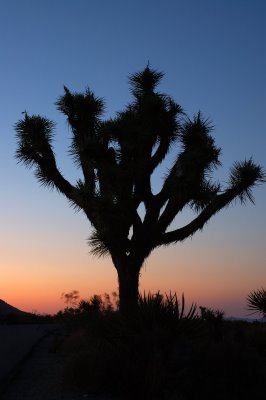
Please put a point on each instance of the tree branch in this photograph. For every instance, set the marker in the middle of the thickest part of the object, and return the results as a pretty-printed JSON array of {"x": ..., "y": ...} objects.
[
  {"x": 217, "y": 204},
  {"x": 48, "y": 172}
]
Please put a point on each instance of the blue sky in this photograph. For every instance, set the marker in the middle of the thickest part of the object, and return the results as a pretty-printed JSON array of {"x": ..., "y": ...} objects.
[{"x": 213, "y": 56}]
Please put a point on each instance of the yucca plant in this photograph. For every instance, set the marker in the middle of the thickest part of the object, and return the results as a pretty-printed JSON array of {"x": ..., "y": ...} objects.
[
  {"x": 163, "y": 310},
  {"x": 256, "y": 301}
]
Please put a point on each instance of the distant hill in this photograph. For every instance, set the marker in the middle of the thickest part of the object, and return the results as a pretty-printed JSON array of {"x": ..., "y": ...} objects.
[{"x": 7, "y": 309}]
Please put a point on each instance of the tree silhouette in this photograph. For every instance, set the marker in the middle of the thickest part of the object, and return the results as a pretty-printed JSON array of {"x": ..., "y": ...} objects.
[{"x": 117, "y": 158}]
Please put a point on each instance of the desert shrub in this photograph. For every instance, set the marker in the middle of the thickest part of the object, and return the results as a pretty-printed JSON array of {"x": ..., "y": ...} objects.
[
  {"x": 99, "y": 304},
  {"x": 213, "y": 320},
  {"x": 88, "y": 311},
  {"x": 164, "y": 353},
  {"x": 130, "y": 356},
  {"x": 71, "y": 298},
  {"x": 208, "y": 314}
]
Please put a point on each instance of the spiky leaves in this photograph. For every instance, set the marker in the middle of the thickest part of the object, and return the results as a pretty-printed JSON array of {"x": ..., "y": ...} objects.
[
  {"x": 144, "y": 82},
  {"x": 97, "y": 242},
  {"x": 150, "y": 125},
  {"x": 187, "y": 182},
  {"x": 244, "y": 176},
  {"x": 256, "y": 301},
  {"x": 34, "y": 138},
  {"x": 157, "y": 309},
  {"x": 241, "y": 183},
  {"x": 83, "y": 112},
  {"x": 81, "y": 108}
]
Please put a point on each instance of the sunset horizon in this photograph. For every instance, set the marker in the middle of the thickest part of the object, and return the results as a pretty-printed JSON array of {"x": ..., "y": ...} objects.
[{"x": 221, "y": 72}]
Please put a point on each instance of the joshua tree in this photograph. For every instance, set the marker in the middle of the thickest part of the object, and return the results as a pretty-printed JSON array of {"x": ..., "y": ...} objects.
[{"x": 117, "y": 158}]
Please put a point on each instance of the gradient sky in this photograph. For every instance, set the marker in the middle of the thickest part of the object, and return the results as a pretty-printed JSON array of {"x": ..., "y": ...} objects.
[{"x": 213, "y": 56}]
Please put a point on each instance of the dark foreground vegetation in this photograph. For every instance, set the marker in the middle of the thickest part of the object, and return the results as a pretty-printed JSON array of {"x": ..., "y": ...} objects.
[{"x": 164, "y": 351}]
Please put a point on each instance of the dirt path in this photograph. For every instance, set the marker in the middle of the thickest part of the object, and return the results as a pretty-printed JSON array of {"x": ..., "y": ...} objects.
[
  {"x": 41, "y": 376},
  {"x": 16, "y": 341}
]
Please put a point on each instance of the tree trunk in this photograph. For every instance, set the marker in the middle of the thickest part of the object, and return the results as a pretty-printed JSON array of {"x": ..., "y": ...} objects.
[{"x": 128, "y": 280}]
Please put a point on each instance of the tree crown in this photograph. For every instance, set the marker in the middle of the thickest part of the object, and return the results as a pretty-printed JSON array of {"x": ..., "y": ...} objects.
[{"x": 117, "y": 158}]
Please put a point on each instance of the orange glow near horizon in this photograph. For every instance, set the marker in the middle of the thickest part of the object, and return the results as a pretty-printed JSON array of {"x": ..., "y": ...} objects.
[{"x": 34, "y": 286}]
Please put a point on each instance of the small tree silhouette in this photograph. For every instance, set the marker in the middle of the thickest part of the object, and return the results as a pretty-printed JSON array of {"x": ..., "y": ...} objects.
[
  {"x": 71, "y": 299},
  {"x": 257, "y": 301},
  {"x": 117, "y": 158}
]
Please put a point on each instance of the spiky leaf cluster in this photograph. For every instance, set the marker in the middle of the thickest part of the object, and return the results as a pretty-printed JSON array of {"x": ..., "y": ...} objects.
[{"x": 256, "y": 301}]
